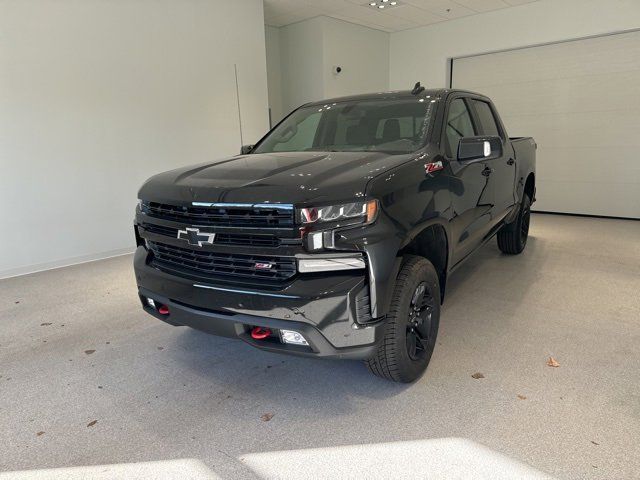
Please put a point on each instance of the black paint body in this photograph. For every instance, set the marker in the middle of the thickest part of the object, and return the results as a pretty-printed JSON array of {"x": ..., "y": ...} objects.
[{"x": 470, "y": 205}]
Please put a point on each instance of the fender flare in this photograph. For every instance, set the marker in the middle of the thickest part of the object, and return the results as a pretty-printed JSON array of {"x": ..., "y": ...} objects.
[{"x": 408, "y": 238}]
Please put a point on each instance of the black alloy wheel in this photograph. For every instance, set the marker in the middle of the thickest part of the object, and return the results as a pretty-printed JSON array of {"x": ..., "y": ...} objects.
[
  {"x": 419, "y": 324},
  {"x": 411, "y": 325},
  {"x": 512, "y": 237},
  {"x": 524, "y": 224}
]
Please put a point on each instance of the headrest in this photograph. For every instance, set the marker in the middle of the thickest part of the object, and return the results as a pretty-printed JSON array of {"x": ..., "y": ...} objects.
[
  {"x": 356, "y": 135},
  {"x": 391, "y": 130}
]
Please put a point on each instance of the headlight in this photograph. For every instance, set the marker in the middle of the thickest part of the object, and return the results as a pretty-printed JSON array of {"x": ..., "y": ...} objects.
[
  {"x": 142, "y": 206},
  {"x": 349, "y": 213}
]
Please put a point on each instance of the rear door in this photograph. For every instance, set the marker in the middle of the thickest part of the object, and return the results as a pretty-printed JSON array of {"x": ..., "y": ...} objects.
[
  {"x": 471, "y": 194},
  {"x": 503, "y": 169}
]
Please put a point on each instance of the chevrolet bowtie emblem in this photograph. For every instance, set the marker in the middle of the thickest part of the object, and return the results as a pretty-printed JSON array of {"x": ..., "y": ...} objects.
[{"x": 195, "y": 237}]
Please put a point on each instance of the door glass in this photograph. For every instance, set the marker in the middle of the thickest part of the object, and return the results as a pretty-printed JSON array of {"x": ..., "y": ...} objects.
[
  {"x": 486, "y": 118},
  {"x": 459, "y": 125}
]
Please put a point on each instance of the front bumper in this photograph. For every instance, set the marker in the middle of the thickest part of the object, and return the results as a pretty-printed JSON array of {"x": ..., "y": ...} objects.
[{"x": 320, "y": 307}]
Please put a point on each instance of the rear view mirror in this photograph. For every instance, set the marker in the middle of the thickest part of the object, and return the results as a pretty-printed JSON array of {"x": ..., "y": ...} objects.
[
  {"x": 288, "y": 133},
  {"x": 479, "y": 148},
  {"x": 245, "y": 149}
]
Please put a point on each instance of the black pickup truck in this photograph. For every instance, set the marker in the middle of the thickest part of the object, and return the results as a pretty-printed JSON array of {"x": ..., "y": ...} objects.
[{"x": 334, "y": 235}]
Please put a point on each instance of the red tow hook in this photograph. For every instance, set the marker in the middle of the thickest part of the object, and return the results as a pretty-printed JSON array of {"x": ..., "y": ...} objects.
[
  {"x": 259, "y": 333},
  {"x": 163, "y": 310}
]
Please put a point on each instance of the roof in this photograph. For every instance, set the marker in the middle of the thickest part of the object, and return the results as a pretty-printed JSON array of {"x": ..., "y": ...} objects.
[{"x": 393, "y": 95}]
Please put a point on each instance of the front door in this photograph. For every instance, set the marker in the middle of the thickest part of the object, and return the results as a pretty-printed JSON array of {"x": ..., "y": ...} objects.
[{"x": 472, "y": 196}]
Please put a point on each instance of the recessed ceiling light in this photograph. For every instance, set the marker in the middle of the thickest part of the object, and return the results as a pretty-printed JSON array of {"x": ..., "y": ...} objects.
[{"x": 382, "y": 4}]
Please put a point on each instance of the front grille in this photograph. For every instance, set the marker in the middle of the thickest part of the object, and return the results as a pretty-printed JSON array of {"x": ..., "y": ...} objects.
[
  {"x": 224, "y": 267},
  {"x": 247, "y": 216},
  {"x": 239, "y": 239}
]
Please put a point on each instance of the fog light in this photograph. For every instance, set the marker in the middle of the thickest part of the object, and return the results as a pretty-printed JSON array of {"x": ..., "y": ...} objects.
[
  {"x": 289, "y": 336},
  {"x": 151, "y": 303}
]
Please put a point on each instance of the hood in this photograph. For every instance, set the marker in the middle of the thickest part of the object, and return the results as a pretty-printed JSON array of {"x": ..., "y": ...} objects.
[{"x": 288, "y": 177}]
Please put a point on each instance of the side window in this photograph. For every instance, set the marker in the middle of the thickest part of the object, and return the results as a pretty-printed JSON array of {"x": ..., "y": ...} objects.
[
  {"x": 300, "y": 138},
  {"x": 458, "y": 125},
  {"x": 486, "y": 118}
]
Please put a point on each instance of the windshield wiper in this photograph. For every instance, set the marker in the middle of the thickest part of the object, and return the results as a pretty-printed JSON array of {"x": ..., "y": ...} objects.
[{"x": 322, "y": 149}]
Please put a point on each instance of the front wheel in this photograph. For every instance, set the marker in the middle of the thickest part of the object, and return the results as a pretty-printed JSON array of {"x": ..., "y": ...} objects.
[
  {"x": 412, "y": 324},
  {"x": 512, "y": 238}
]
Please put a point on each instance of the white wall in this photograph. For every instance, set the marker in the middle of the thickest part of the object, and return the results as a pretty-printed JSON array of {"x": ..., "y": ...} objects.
[
  {"x": 310, "y": 49},
  {"x": 274, "y": 73},
  {"x": 96, "y": 96},
  {"x": 301, "y": 59},
  {"x": 363, "y": 54},
  {"x": 423, "y": 53}
]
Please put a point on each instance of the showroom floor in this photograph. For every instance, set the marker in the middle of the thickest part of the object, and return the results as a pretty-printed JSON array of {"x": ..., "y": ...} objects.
[{"x": 86, "y": 378}]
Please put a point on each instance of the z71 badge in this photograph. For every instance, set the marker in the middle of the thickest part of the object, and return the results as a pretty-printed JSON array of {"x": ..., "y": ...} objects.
[
  {"x": 433, "y": 167},
  {"x": 263, "y": 266}
]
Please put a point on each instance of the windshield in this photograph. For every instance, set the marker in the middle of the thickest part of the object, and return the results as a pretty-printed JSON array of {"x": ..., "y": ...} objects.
[{"x": 391, "y": 126}]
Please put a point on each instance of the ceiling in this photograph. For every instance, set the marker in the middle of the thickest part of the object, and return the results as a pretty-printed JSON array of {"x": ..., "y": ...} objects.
[{"x": 406, "y": 14}]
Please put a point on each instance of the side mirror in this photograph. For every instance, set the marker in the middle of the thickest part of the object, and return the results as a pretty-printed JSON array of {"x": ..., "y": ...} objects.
[
  {"x": 479, "y": 148},
  {"x": 245, "y": 149}
]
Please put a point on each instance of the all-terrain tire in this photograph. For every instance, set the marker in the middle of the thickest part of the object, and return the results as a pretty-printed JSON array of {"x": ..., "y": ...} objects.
[
  {"x": 412, "y": 323},
  {"x": 512, "y": 238}
]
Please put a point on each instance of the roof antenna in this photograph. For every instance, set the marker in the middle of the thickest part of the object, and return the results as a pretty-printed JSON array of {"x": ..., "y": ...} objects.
[{"x": 417, "y": 89}]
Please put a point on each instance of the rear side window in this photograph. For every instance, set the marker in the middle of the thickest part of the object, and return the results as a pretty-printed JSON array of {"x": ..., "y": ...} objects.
[
  {"x": 459, "y": 125},
  {"x": 486, "y": 118}
]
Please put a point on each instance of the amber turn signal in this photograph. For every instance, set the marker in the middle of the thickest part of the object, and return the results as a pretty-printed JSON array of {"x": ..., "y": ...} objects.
[{"x": 372, "y": 210}]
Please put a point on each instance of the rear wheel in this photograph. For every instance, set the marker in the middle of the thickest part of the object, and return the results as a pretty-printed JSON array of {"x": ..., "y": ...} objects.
[
  {"x": 512, "y": 238},
  {"x": 412, "y": 324}
]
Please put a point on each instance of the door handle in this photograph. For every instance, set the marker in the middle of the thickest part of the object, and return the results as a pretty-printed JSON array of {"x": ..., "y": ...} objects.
[
  {"x": 511, "y": 161},
  {"x": 487, "y": 171}
]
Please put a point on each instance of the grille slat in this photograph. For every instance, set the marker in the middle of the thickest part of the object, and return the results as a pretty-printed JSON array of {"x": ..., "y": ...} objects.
[
  {"x": 213, "y": 265},
  {"x": 240, "y": 239},
  {"x": 223, "y": 216}
]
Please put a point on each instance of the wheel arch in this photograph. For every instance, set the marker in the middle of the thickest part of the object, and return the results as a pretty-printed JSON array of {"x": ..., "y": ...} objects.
[
  {"x": 530, "y": 186},
  {"x": 431, "y": 241}
]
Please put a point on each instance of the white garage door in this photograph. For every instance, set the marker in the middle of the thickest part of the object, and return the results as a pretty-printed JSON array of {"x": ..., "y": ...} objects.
[{"x": 580, "y": 100}]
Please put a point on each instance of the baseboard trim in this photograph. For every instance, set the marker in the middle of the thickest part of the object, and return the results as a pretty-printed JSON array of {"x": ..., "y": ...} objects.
[
  {"x": 585, "y": 215},
  {"x": 67, "y": 262}
]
